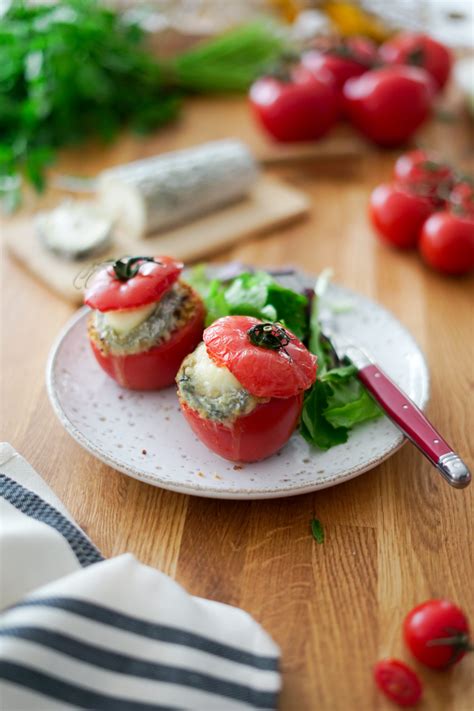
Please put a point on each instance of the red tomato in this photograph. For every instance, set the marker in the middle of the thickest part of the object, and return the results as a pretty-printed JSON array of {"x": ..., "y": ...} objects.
[
  {"x": 252, "y": 437},
  {"x": 155, "y": 368},
  {"x": 301, "y": 109},
  {"x": 398, "y": 215},
  {"x": 437, "y": 633},
  {"x": 397, "y": 681},
  {"x": 264, "y": 372},
  {"x": 447, "y": 243},
  {"x": 347, "y": 59},
  {"x": 461, "y": 199},
  {"x": 388, "y": 105},
  {"x": 419, "y": 50},
  {"x": 149, "y": 280},
  {"x": 425, "y": 175}
]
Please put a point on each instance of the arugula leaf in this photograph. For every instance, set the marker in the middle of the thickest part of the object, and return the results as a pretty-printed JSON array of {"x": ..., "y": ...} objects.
[{"x": 317, "y": 530}]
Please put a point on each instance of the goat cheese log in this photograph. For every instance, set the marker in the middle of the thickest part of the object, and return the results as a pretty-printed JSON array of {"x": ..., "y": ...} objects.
[{"x": 160, "y": 192}]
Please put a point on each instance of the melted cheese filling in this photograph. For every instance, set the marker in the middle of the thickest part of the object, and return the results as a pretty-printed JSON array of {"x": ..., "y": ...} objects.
[
  {"x": 211, "y": 389},
  {"x": 125, "y": 320}
]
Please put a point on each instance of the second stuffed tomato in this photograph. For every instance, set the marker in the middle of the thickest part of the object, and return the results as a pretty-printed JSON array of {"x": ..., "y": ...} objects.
[
  {"x": 242, "y": 389},
  {"x": 144, "y": 321}
]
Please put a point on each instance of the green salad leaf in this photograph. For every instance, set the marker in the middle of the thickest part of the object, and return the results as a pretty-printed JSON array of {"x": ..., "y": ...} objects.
[
  {"x": 337, "y": 401},
  {"x": 252, "y": 294}
]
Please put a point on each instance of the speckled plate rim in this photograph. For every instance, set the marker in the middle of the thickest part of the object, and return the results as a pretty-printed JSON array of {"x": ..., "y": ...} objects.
[{"x": 222, "y": 493}]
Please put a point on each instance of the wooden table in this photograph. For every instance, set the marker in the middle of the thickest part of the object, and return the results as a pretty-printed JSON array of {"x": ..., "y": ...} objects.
[{"x": 394, "y": 536}]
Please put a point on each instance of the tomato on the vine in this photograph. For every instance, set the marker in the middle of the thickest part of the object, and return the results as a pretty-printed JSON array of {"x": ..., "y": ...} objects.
[
  {"x": 447, "y": 243},
  {"x": 342, "y": 60},
  {"x": 425, "y": 175},
  {"x": 461, "y": 199},
  {"x": 437, "y": 633},
  {"x": 398, "y": 682},
  {"x": 419, "y": 50},
  {"x": 300, "y": 107},
  {"x": 388, "y": 105},
  {"x": 398, "y": 215}
]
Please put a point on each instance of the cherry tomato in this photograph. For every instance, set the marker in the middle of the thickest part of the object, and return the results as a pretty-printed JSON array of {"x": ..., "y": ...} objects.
[
  {"x": 111, "y": 289},
  {"x": 264, "y": 372},
  {"x": 437, "y": 633},
  {"x": 388, "y": 105},
  {"x": 155, "y": 368},
  {"x": 398, "y": 215},
  {"x": 397, "y": 681},
  {"x": 425, "y": 175},
  {"x": 461, "y": 199},
  {"x": 252, "y": 437},
  {"x": 349, "y": 58},
  {"x": 419, "y": 50},
  {"x": 447, "y": 243},
  {"x": 301, "y": 109}
]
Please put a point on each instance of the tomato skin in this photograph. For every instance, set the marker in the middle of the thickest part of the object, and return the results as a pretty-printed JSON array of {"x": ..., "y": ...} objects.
[
  {"x": 342, "y": 62},
  {"x": 447, "y": 243},
  {"x": 398, "y": 682},
  {"x": 398, "y": 215},
  {"x": 302, "y": 109},
  {"x": 388, "y": 105},
  {"x": 157, "y": 367},
  {"x": 263, "y": 372},
  {"x": 435, "y": 620},
  {"x": 425, "y": 175},
  {"x": 108, "y": 293},
  {"x": 418, "y": 49},
  {"x": 252, "y": 437}
]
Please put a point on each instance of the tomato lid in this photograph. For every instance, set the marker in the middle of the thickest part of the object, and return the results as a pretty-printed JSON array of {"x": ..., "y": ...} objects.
[
  {"x": 266, "y": 359},
  {"x": 131, "y": 282}
]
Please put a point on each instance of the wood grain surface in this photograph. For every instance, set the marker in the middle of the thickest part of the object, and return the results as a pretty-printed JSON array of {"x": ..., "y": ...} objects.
[{"x": 394, "y": 536}]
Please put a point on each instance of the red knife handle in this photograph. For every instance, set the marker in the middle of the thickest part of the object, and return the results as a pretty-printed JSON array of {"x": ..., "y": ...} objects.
[{"x": 413, "y": 423}]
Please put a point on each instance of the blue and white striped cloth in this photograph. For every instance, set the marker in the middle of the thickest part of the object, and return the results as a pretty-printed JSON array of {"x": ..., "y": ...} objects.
[{"x": 78, "y": 631}]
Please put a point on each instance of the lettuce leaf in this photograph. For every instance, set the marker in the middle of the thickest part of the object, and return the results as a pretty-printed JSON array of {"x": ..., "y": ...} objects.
[{"x": 252, "y": 294}]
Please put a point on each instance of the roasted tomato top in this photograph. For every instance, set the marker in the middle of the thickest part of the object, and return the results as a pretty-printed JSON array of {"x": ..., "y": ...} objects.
[
  {"x": 268, "y": 360},
  {"x": 131, "y": 282}
]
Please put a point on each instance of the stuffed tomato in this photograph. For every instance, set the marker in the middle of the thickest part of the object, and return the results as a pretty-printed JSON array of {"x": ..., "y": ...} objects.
[
  {"x": 144, "y": 321},
  {"x": 241, "y": 390}
]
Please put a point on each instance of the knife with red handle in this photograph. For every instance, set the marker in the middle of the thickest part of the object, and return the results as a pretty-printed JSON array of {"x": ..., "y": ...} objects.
[{"x": 408, "y": 418}]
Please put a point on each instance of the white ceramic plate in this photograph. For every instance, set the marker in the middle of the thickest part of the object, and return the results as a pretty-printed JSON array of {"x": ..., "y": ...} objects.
[{"x": 145, "y": 436}]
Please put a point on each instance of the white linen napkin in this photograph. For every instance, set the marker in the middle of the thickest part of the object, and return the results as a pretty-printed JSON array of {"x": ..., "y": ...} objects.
[{"x": 78, "y": 631}]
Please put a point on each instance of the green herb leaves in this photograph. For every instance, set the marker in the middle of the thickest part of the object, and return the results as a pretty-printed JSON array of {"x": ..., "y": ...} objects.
[
  {"x": 317, "y": 530},
  {"x": 75, "y": 68}
]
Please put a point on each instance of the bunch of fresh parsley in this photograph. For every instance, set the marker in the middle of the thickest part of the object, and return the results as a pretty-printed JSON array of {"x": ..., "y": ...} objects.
[
  {"x": 75, "y": 68},
  {"x": 337, "y": 401}
]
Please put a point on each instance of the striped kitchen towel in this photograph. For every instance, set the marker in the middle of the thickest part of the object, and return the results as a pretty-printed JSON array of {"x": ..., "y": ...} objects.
[{"x": 78, "y": 631}]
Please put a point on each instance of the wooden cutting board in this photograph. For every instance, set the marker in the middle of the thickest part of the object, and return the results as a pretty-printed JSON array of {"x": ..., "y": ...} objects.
[{"x": 271, "y": 204}]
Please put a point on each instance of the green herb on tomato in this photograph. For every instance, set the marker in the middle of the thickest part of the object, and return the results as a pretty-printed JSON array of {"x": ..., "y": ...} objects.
[{"x": 317, "y": 530}]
